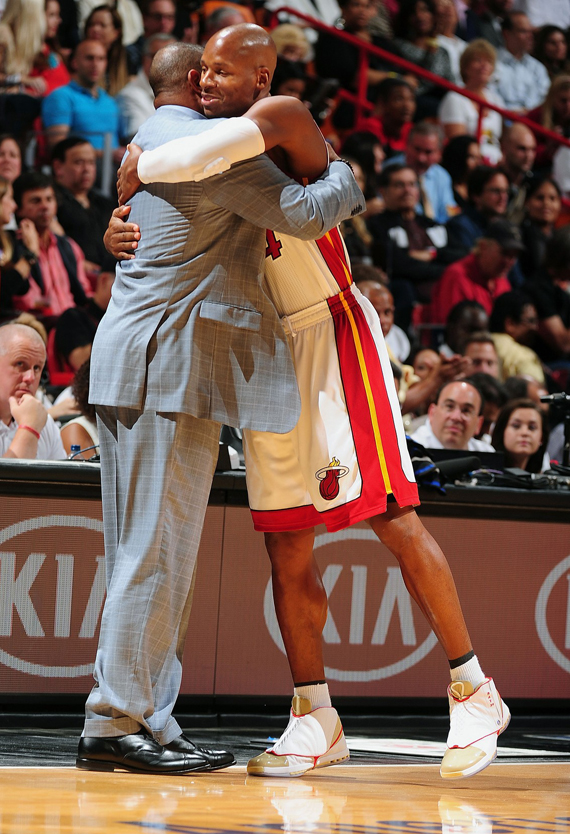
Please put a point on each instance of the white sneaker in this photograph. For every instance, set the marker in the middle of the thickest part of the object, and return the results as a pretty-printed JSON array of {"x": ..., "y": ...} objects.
[
  {"x": 313, "y": 738},
  {"x": 477, "y": 719}
]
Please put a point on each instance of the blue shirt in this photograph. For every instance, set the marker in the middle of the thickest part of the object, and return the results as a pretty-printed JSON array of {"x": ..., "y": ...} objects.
[
  {"x": 437, "y": 184},
  {"x": 522, "y": 84},
  {"x": 87, "y": 115}
]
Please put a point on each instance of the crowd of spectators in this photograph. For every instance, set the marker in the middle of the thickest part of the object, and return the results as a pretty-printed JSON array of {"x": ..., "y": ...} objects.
[{"x": 464, "y": 248}]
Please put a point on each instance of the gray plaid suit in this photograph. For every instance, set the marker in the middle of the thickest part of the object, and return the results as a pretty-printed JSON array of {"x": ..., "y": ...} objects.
[{"x": 190, "y": 340}]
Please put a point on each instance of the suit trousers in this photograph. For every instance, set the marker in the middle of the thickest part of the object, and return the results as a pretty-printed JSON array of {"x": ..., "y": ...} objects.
[{"x": 156, "y": 475}]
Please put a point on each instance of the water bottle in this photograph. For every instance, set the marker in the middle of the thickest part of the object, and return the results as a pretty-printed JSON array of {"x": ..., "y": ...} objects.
[{"x": 75, "y": 453}]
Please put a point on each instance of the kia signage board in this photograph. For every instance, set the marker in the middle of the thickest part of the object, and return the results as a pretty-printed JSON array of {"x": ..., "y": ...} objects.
[{"x": 513, "y": 579}]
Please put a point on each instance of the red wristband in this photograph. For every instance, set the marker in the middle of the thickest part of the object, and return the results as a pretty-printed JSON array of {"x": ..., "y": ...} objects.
[{"x": 29, "y": 428}]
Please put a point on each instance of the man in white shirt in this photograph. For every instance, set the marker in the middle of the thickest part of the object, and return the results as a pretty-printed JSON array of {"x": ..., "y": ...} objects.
[
  {"x": 520, "y": 79},
  {"x": 26, "y": 429},
  {"x": 454, "y": 420}
]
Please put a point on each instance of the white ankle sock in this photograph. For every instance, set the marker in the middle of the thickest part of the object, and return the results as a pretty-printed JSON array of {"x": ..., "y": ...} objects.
[
  {"x": 470, "y": 671},
  {"x": 317, "y": 693}
]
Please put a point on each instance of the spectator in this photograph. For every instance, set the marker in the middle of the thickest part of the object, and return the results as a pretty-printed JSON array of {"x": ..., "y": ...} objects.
[
  {"x": 48, "y": 63},
  {"x": 416, "y": 41},
  {"x": 223, "y": 16},
  {"x": 129, "y": 11},
  {"x": 408, "y": 246},
  {"x": 291, "y": 42},
  {"x": 542, "y": 207},
  {"x": 366, "y": 149},
  {"x": 551, "y": 49},
  {"x": 488, "y": 192},
  {"x": 494, "y": 398},
  {"x": 446, "y": 27},
  {"x": 383, "y": 302},
  {"x": 159, "y": 18},
  {"x": 464, "y": 318},
  {"x": 10, "y": 157},
  {"x": 16, "y": 256},
  {"x": 480, "y": 350},
  {"x": 57, "y": 279},
  {"x": 22, "y": 32},
  {"x": 540, "y": 13},
  {"x": 425, "y": 360},
  {"x": 75, "y": 329},
  {"x": 513, "y": 323},
  {"x": 26, "y": 429},
  {"x": 136, "y": 99},
  {"x": 82, "y": 107},
  {"x": 550, "y": 292},
  {"x": 490, "y": 21},
  {"x": 460, "y": 156},
  {"x": 335, "y": 58},
  {"x": 328, "y": 11},
  {"x": 519, "y": 152},
  {"x": 522, "y": 81},
  {"x": 104, "y": 24},
  {"x": 460, "y": 115},
  {"x": 454, "y": 420},
  {"x": 423, "y": 155},
  {"x": 82, "y": 430},
  {"x": 391, "y": 119},
  {"x": 289, "y": 79},
  {"x": 522, "y": 434},
  {"x": 357, "y": 238},
  {"x": 482, "y": 275},
  {"x": 554, "y": 115},
  {"x": 82, "y": 211}
]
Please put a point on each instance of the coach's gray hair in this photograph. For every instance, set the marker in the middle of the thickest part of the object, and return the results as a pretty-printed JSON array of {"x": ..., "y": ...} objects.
[{"x": 171, "y": 65}]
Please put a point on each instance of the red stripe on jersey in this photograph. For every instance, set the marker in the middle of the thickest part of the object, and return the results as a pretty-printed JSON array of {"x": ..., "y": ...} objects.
[{"x": 332, "y": 249}]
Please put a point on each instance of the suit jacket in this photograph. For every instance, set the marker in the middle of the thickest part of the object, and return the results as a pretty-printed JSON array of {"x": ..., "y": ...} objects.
[{"x": 189, "y": 327}]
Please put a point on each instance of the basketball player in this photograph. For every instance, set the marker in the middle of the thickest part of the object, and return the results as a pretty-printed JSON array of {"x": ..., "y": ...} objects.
[{"x": 347, "y": 459}]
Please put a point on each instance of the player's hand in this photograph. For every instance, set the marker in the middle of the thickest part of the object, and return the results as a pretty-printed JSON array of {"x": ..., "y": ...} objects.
[
  {"x": 121, "y": 237},
  {"x": 29, "y": 411},
  {"x": 127, "y": 177}
]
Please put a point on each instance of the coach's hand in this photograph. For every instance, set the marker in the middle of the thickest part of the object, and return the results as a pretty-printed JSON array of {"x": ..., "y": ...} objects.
[
  {"x": 121, "y": 237},
  {"x": 127, "y": 177}
]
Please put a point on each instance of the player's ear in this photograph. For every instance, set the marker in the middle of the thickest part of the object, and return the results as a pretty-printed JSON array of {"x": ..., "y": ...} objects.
[
  {"x": 194, "y": 81},
  {"x": 263, "y": 78}
]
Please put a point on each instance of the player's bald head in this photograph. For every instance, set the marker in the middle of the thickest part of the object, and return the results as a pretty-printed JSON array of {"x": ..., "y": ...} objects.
[
  {"x": 248, "y": 42},
  {"x": 171, "y": 65}
]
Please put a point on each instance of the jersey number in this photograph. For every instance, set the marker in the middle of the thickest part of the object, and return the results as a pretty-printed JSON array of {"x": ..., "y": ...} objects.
[{"x": 274, "y": 245}]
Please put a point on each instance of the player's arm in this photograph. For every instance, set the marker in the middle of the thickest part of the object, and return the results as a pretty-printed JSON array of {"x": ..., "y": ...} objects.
[{"x": 279, "y": 122}]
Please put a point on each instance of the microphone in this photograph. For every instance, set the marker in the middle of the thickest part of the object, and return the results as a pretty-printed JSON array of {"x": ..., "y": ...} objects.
[{"x": 555, "y": 398}]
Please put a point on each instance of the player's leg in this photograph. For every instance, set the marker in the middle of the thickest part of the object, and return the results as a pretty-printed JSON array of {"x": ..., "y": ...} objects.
[
  {"x": 314, "y": 736},
  {"x": 478, "y": 714}
]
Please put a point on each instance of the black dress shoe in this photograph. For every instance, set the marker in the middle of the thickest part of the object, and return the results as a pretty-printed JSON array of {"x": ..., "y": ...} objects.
[
  {"x": 137, "y": 752},
  {"x": 215, "y": 758}
]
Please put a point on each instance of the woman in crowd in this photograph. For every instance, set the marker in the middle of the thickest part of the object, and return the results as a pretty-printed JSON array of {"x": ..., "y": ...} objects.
[
  {"x": 82, "y": 430},
  {"x": 460, "y": 156},
  {"x": 354, "y": 230},
  {"x": 22, "y": 33},
  {"x": 16, "y": 254},
  {"x": 445, "y": 27},
  {"x": 551, "y": 49},
  {"x": 553, "y": 114},
  {"x": 416, "y": 41},
  {"x": 521, "y": 433},
  {"x": 48, "y": 63},
  {"x": 460, "y": 115},
  {"x": 542, "y": 210},
  {"x": 104, "y": 24}
]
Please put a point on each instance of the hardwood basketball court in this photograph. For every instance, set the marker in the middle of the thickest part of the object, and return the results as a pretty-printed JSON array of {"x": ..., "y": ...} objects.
[{"x": 364, "y": 799}]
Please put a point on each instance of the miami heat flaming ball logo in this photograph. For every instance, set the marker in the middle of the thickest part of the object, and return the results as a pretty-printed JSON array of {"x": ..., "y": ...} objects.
[{"x": 329, "y": 477}]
